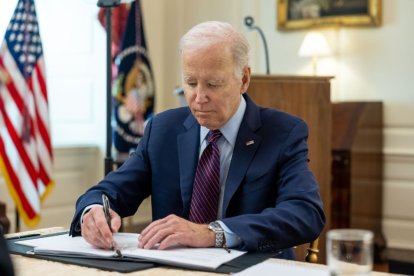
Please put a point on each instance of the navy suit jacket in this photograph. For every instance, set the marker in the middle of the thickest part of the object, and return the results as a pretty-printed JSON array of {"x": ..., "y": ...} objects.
[
  {"x": 271, "y": 199},
  {"x": 6, "y": 265}
]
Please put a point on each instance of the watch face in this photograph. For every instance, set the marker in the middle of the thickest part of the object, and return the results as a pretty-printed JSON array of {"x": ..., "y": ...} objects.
[{"x": 215, "y": 226}]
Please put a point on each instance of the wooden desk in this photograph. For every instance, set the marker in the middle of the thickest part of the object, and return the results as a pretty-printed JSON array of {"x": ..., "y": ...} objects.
[{"x": 25, "y": 266}]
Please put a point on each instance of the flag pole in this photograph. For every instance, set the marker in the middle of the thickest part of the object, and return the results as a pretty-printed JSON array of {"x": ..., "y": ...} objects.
[
  {"x": 108, "y": 157},
  {"x": 17, "y": 221},
  {"x": 108, "y": 5}
]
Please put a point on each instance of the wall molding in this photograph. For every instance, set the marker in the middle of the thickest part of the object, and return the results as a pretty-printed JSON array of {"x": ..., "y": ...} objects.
[
  {"x": 398, "y": 141},
  {"x": 399, "y": 233},
  {"x": 398, "y": 185}
]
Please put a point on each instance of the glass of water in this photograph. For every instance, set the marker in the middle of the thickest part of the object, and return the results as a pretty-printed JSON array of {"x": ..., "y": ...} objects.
[{"x": 349, "y": 251}]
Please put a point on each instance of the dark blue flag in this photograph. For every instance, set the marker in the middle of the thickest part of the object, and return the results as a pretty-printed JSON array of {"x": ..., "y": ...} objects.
[{"x": 134, "y": 87}]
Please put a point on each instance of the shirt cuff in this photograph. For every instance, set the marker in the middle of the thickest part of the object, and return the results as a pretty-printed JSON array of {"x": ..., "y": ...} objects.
[
  {"x": 87, "y": 208},
  {"x": 232, "y": 239}
]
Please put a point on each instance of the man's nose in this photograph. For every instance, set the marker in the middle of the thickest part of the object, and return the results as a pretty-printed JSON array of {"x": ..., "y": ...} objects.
[{"x": 201, "y": 95}]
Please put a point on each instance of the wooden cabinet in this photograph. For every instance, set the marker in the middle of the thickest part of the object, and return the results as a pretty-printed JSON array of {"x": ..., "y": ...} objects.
[
  {"x": 357, "y": 166},
  {"x": 308, "y": 98}
]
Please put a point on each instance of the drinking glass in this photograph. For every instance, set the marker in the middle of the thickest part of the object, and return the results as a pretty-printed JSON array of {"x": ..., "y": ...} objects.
[{"x": 349, "y": 251}]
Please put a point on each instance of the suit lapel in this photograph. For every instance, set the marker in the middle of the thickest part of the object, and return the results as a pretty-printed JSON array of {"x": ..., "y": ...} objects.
[
  {"x": 247, "y": 143},
  {"x": 188, "y": 150}
]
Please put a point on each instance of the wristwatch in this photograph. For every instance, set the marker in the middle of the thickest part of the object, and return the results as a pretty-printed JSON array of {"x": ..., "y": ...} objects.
[{"x": 219, "y": 233}]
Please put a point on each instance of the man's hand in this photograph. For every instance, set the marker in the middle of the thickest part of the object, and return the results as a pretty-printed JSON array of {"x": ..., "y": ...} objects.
[
  {"x": 95, "y": 229},
  {"x": 175, "y": 231}
]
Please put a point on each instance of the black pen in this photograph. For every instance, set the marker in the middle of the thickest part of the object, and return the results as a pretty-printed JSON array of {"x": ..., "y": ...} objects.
[
  {"x": 23, "y": 236},
  {"x": 105, "y": 202}
]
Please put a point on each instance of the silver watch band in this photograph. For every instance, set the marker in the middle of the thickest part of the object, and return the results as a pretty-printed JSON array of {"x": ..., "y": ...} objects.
[{"x": 219, "y": 234}]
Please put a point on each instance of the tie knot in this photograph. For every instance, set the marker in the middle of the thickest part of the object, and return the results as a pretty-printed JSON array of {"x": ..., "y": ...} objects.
[{"x": 213, "y": 136}]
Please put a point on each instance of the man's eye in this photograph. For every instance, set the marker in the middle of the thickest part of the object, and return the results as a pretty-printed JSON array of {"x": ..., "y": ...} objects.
[
  {"x": 212, "y": 85},
  {"x": 192, "y": 84}
]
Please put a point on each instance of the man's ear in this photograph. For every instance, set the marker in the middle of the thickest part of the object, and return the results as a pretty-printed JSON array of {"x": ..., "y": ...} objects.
[{"x": 245, "y": 79}]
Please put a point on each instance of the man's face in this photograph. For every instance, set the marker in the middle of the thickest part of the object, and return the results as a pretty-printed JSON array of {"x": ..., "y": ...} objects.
[{"x": 211, "y": 88}]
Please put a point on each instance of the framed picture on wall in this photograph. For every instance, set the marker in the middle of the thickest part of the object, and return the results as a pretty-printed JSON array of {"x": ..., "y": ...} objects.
[{"x": 305, "y": 14}]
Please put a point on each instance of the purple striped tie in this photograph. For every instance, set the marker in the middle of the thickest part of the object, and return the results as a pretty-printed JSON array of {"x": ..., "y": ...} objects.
[{"x": 204, "y": 201}]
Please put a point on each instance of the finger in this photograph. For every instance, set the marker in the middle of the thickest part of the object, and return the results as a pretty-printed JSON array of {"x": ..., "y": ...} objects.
[
  {"x": 152, "y": 225},
  {"x": 99, "y": 236},
  {"x": 149, "y": 234},
  {"x": 190, "y": 234},
  {"x": 187, "y": 234},
  {"x": 91, "y": 233},
  {"x": 171, "y": 241},
  {"x": 155, "y": 227},
  {"x": 101, "y": 228},
  {"x": 115, "y": 221},
  {"x": 157, "y": 237},
  {"x": 168, "y": 220}
]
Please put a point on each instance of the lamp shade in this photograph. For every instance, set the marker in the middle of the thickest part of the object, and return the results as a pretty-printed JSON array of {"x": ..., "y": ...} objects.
[{"x": 314, "y": 44}]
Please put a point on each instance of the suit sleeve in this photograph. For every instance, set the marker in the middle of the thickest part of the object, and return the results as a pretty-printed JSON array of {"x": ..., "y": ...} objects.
[
  {"x": 126, "y": 187},
  {"x": 297, "y": 216}
]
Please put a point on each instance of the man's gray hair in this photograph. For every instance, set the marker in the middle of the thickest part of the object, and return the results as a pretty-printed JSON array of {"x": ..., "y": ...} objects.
[{"x": 212, "y": 32}]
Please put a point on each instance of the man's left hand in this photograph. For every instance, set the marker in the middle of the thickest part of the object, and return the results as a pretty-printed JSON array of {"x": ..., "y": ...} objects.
[{"x": 174, "y": 231}]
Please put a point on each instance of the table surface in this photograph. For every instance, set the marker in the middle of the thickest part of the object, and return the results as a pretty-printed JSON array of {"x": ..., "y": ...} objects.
[{"x": 25, "y": 266}]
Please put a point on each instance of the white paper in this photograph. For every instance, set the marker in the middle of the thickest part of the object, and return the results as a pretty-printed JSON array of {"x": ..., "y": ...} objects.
[
  {"x": 271, "y": 268},
  {"x": 209, "y": 258},
  {"x": 77, "y": 245}
]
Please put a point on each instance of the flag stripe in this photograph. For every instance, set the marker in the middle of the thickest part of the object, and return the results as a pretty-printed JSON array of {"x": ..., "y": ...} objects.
[
  {"x": 10, "y": 66},
  {"x": 40, "y": 113},
  {"x": 13, "y": 91},
  {"x": 13, "y": 112},
  {"x": 41, "y": 81},
  {"x": 43, "y": 175},
  {"x": 17, "y": 97},
  {"x": 16, "y": 141},
  {"x": 16, "y": 183},
  {"x": 42, "y": 109}
]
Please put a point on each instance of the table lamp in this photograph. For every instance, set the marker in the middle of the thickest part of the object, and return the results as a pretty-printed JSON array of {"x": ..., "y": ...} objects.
[{"x": 314, "y": 45}]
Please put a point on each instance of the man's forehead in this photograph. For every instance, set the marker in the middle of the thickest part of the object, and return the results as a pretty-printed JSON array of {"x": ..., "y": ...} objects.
[{"x": 219, "y": 78}]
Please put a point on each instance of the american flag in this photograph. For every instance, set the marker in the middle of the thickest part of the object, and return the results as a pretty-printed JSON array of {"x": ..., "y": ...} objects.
[{"x": 25, "y": 145}]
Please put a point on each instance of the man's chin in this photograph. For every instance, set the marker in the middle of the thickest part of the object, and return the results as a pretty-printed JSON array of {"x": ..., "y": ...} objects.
[{"x": 205, "y": 123}]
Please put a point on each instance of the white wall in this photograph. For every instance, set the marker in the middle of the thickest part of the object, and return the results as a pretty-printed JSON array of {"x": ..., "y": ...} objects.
[
  {"x": 368, "y": 64},
  {"x": 74, "y": 50}
]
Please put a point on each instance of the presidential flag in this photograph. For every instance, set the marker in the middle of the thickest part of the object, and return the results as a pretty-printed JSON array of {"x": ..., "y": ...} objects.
[
  {"x": 25, "y": 145},
  {"x": 119, "y": 19},
  {"x": 134, "y": 87}
]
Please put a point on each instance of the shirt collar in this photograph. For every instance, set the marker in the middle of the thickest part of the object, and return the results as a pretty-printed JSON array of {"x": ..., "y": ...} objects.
[{"x": 231, "y": 128}]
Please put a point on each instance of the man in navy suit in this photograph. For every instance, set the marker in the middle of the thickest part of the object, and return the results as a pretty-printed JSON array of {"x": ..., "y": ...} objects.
[
  {"x": 268, "y": 198},
  {"x": 6, "y": 265}
]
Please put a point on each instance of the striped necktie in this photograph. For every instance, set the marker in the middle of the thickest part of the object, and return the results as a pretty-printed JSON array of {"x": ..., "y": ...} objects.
[{"x": 206, "y": 188}]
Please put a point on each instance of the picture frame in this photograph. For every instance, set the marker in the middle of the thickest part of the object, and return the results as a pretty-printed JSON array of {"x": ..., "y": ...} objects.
[{"x": 307, "y": 14}]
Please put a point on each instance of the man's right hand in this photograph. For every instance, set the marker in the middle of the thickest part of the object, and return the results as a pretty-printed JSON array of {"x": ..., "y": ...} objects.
[{"x": 95, "y": 229}]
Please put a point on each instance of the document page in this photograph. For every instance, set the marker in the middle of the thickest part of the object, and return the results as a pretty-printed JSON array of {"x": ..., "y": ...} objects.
[
  {"x": 186, "y": 257},
  {"x": 67, "y": 245},
  {"x": 207, "y": 258}
]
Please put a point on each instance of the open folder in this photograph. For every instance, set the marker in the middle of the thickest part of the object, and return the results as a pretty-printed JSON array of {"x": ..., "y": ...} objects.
[{"x": 195, "y": 258}]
